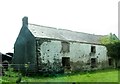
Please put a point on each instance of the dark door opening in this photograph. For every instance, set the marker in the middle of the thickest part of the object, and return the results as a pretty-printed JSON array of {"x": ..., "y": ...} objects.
[
  {"x": 66, "y": 61},
  {"x": 93, "y": 62},
  {"x": 110, "y": 61}
]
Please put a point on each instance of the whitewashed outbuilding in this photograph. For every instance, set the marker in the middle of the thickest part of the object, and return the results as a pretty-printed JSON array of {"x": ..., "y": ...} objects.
[{"x": 48, "y": 49}]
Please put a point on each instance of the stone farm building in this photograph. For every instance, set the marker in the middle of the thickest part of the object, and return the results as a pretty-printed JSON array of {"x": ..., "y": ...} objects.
[{"x": 48, "y": 49}]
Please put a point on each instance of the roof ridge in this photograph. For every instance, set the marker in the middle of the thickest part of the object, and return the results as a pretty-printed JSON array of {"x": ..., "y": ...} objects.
[
  {"x": 64, "y": 29},
  {"x": 81, "y": 32},
  {"x": 42, "y": 26},
  {"x": 63, "y": 34}
]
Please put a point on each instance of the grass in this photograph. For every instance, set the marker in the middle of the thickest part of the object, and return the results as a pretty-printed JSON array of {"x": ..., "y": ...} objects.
[{"x": 96, "y": 76}]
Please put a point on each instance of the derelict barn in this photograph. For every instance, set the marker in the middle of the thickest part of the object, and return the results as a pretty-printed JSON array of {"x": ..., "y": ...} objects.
[{"x": 47, "y": 49}]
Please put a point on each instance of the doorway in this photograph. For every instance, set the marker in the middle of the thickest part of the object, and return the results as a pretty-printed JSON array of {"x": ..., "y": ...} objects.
[
  {"x": 66, "y": 64},
  {"x": 110, "y": 61},
  {"x": 93, "y": 62},
  {"x": 65, "y": 61}
]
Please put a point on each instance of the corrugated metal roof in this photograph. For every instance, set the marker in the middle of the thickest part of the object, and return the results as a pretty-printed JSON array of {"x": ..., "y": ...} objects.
[{"x": 62, "y": 34}]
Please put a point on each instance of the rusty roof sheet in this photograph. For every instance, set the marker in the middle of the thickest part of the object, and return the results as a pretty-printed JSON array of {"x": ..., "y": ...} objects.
[{"x": 63, "y": 34}]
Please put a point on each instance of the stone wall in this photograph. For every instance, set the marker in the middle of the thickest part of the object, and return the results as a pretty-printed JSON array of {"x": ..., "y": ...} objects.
[{"x": 55, "y": 55}]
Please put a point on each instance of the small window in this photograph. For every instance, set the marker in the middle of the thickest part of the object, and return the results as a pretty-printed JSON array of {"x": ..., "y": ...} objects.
[
  {"x": 65, "y": 47},
  {"x": 93, "y": 49}
]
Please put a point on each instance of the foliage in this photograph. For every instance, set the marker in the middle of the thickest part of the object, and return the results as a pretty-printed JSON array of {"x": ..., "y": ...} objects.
[
  {"x": 109, "y": 39},
  {"x": 114, "y": 50},
  {"x": 96, "y": 76},
  {"x": 113, "y": 46},
  {"x": 105, "y": 40}
]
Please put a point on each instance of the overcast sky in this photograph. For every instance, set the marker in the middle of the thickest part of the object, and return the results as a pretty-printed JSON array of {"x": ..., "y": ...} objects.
[{"x": 90, "y": 16}]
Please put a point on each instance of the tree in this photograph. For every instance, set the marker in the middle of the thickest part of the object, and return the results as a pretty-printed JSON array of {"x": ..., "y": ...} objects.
[
  {"x": 114, "y": 51},
  {"x": 113, "y": 46},
  {"x": 109, "y": 39}
]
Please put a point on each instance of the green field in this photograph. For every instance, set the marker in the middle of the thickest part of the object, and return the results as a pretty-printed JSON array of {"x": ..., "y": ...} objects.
[{"x": 95, "y": 76}]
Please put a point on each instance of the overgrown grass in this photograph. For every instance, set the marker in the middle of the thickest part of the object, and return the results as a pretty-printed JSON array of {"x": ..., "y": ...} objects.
[{"x": 96, "y": 76}]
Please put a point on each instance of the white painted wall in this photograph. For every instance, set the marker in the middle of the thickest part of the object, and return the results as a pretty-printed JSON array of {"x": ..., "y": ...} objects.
[{"x": 78, "y": 52}]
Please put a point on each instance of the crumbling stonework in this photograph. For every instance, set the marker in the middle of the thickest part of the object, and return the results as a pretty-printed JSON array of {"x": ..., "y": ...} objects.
[
  {"x": 50, "y": 56},
  {"x": 47, "y": 49}
]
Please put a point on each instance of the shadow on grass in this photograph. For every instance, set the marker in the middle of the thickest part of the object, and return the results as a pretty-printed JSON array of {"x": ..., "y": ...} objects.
[{"x": 54, "y": 75}]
